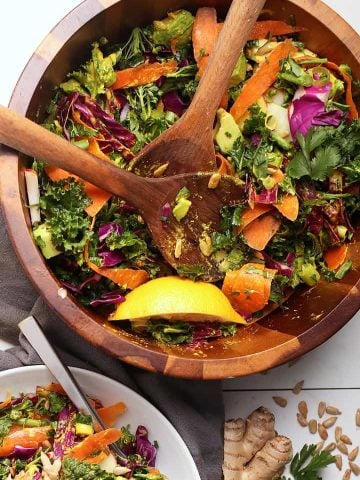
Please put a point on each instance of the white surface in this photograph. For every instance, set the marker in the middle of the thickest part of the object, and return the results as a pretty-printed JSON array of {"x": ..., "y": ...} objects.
[
  {"x": 331, "y": 372},
  {"x": 173, "y": 457}
]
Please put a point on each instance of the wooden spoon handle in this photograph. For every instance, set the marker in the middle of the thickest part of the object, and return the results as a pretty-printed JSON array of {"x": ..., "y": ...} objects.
[
  {"x": 240, "y": 19},
  {"x": 31, "y": 139}
]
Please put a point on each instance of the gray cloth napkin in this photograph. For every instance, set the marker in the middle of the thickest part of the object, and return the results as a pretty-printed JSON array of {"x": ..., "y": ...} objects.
[{"x": 195, "y": 408}]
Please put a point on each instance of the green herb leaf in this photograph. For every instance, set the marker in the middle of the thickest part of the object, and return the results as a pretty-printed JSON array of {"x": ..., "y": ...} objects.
[{"x": 307, "y": 463}]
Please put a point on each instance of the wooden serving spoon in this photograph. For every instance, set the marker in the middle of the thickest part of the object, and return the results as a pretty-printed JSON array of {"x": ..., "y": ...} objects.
[
  {"x": 177, "y": 241},
  {"x": 188, "y": 145}
]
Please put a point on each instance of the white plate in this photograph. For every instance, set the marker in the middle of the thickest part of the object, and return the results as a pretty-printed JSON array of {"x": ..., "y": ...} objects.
[{"x": 173, "y": 458}]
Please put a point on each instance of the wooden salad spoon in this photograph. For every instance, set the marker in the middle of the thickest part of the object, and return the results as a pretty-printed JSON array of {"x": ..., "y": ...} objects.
[
  {"x": 187, "y": 146},
  {"x": 178, "y": 241}
]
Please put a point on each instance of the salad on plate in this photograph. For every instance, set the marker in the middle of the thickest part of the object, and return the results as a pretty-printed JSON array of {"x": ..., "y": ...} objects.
[
  {"x": 287, "y": 129},
  {"x": 44, "y": 436}
]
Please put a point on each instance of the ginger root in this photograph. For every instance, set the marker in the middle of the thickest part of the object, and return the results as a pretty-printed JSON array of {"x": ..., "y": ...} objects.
[{"x": 251, "y": 449}]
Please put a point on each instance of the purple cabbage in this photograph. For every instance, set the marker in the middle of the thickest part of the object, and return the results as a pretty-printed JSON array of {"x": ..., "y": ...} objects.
[
  {"x": 268, "y": 196},
  {"x": 110, "y": 258},
  {"x": 36, "y": 476},
  {"x": 315, "y": 221},
  {"x": 70, "y": 286},
  {"x": 91, "y": 280},
  {"x": 109, "y": 298},
  {"x": 144, "y": 447},
  {"x": 332, "y": 117},
  {"x": 64, "y": 437},
  {"x": 290, "y": 258},
  {"x": 174, "y": 103},
  {"x": 282, "y": 268},
  {"x": 23, "y": 452},
  {"x": 202, "y": 333},
  {"x": 306, "y": 105},
  {"x": 108, "y": 228},
  {"x": 255, "y": 139},
  {"x": 64, "y": 109}
]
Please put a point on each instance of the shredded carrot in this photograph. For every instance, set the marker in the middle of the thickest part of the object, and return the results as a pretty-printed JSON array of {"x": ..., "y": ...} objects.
[
  {"x": 353, "y": 112},
  {"x": 248, "y": 288},
  {"x": 94, "y": 148},
  {"x": 262, "y": 79},
  {"x": 288, "y": 206},
  {"x": 97, "y": 458},
  {"x": 204, "y": 35},
  {"x": 265, "y": 28},
  {"x": 110, "y": 414},
  {"x": 94, "y": 443},
  {"x": 124, "y": 277},
  {"x": 54, "y": 387},
  {"x": 5, "y": 403},
  {"x": 76, "y": 115},
  {"x": 25, "y": 437},
  {"x": 260, "y": 231},
  {"x": 250, "y": 214},
  {"x": 335, "y": 256},
  {"x": 143, "y": 74},
  {"x": 223, "y": 164}
]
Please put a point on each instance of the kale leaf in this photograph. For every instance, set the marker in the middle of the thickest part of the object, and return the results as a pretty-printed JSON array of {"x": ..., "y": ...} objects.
[{"x": 73, "y": 469}]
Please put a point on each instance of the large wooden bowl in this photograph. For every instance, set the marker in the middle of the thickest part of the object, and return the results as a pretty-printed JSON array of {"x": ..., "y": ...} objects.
[{"x": 312, "y": 315}]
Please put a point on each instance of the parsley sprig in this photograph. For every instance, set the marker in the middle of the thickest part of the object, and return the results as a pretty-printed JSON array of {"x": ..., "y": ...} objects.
[{"x": 307, "y": 463}]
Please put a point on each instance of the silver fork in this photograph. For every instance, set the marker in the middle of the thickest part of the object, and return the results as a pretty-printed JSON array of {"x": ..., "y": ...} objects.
[{"x": 37, "y": 338}]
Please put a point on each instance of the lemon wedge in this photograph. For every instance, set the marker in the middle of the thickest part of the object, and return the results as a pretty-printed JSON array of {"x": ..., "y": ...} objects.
[{"x": 175, "y": 298}]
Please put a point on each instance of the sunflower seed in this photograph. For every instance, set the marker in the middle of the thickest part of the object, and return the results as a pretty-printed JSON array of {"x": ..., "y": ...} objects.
[
  {"x": 357, "y": 417},
  {"x": 338, "y": 461},
  {"x": 319, "y": 446},
  {"x": 354, "y": 468},
  {"x": 313, "y": 426},
  {"x": 346, "y": 439},
  {"x": 329, "y": 422},
  {"x": 302, "y": 420},
  {"x": 214, "y": 180},
  {"x": 330, "y": 447},
  {"x": 338, "y": 433},
  {"x": 321, "y": 409},
  {"x": 160, "y": 170},
  {"x": 282, "y": 402},
  {"x": 303, "y": 408},
  {"x": 178, "y": 247},
  {"x": 332, "y": 410},
  {"x": 342, "y": 447},
  {"x": 347, "y": 474},
  {"x": 322, "y": 431},
  {"x": 298, "y": 387},
  {"x": 353, "y": 454}
]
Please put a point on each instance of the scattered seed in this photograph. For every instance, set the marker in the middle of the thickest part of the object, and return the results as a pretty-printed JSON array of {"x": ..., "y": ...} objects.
[
  {"x": 313, "y": 426},
  {"x": 330, "y": 447},
  {"x": 205, "y": 244},
  {"x": 338, "y": 433},
  {"x": 332, "y": 410},
  {"x": 346, "y": 439},
  {"x": 298, "y": 387},
  {"x": 353, "y": 454},
  {"x": 160, "y": 170},
  {"x": 342, "y": 447},
  {"x": 354, "y": 468},
  {"x": 347, "y": 474},
  {"x": 321, "y": 409},
  {"x": 214, "y": 180},
  {"x": 357, "y": 417},
  {"x": 319, "y": 446},
  {"x": 282, "y": 402},
  {"x": 303, "y": 408},
  {"x": 338, "y": 461},
  {"x": 322, "y": 431},
  {"x": 178, "y": 246},
  {"x": 302, "y": 420},
  {"x": 329, "y": 422}
]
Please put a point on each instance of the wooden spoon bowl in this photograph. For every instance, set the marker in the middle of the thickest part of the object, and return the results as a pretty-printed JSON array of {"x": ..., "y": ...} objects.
[{"x": 310, "y": 317}]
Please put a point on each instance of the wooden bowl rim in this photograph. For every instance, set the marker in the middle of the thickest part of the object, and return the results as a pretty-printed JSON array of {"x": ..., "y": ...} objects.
[{"x": 136, "y": 354}]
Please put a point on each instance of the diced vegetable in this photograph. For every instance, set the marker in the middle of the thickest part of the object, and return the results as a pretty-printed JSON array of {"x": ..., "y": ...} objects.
[{"x": 33, "y": 193}]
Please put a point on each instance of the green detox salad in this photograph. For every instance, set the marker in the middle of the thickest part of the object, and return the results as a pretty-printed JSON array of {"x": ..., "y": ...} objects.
[
  {"x": 287, "y": 129},
  {"x": 44, "y": 436}
]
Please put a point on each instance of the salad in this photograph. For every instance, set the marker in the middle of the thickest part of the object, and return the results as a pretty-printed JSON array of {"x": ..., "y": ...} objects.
[
  {"x": 287, "y": 129},
  {"x": 43, "y": 435}
]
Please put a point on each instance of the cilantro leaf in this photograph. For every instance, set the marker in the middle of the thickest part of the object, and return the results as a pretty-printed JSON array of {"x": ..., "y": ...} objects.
[
  {"x": 315, "y": 159},
  {"x": 306, "y": 464}
]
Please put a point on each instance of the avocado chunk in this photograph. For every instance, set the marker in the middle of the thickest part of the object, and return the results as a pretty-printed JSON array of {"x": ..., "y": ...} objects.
[
  {"x": 42, "y": 236},
  {"x": 181, "y": 208},
  {"x": 177, "y": 26},
  {"x": 239, "y": 72},
  {"x": 226, "y": 131},
  {"x": 83, "y": 429}
]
